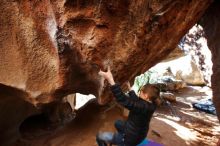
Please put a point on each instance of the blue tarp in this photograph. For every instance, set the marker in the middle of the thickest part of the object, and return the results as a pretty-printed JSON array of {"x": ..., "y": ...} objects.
[
  {"x": 205, "y": 106},
  {"x": 149, "y": 143}
]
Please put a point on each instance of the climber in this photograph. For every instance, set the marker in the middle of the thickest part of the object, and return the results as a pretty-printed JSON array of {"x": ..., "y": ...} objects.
[{"x": 134, "y": 130}]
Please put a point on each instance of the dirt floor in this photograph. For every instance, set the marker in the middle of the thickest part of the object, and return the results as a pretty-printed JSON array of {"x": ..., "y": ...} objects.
[{"x": 187, "y": 127}]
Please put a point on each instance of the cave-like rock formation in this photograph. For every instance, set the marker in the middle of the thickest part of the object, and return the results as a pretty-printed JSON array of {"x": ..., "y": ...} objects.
[
  {"x": 49, "y": 49},
  {"x": 211, "y": 24}
]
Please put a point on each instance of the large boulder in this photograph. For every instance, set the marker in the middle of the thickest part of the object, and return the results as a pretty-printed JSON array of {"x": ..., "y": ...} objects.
[
  {"x": 212, "y": 32},
  {"x": 49, "y": 49},
  {"x": 195, "y": 44},
  {"x": 188, "y": 72},
  {"x": 183, "y": 68},
  {"x": 175, "y": 54}
]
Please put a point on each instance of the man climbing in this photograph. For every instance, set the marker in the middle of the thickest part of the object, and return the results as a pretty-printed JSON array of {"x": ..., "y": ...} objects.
[{"x": 134, "y": 130}]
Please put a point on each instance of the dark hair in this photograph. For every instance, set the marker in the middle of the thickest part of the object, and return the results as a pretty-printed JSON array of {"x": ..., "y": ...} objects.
[{"x": 153, "y": 92}]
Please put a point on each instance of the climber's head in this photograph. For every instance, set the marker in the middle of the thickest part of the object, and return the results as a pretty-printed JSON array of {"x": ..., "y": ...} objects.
[{"x": 150, "y": 92}]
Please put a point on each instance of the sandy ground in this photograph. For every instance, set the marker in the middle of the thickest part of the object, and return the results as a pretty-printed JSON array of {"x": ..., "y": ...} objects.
[{"x": 188, "y": 127}]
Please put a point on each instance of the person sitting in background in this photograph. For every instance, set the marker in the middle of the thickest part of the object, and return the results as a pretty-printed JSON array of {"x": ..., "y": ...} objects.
[{"x": 134, "y": 130}]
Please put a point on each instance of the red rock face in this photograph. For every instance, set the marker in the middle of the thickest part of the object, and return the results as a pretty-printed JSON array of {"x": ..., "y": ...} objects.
[
  {"x": 50, "y": 49},
  {"x": 212, "y": 31},
  {"x": 29, "y": 58},
  {"x": 129, "y": 36}
]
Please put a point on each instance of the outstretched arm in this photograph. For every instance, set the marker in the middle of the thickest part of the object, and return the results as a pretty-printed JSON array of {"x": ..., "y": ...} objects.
[{"x": 129, "y": 103}]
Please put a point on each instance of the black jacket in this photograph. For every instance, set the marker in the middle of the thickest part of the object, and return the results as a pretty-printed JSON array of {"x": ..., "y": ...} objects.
[{"x": 141, "y": 111}]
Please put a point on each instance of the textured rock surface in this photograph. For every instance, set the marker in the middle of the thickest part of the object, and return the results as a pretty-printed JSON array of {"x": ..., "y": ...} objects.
[
  {"x": 49, "y": 49},
  {"x": 183, "y": 68},
  {"x": 195, "y": 44},
  {"x": 176, "y": 53},
  {"x": 212, "y": 31},
  {"x": 127, "y": 34},
  {"x": 190, "y": 73},
  {"x": 13, "y": 112}
]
